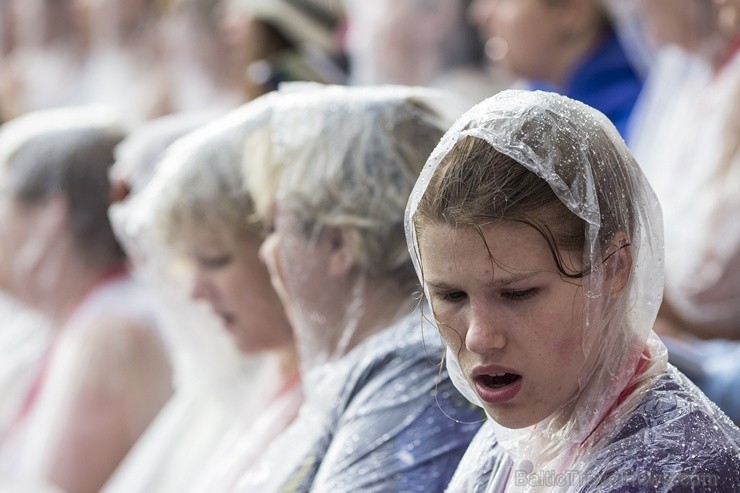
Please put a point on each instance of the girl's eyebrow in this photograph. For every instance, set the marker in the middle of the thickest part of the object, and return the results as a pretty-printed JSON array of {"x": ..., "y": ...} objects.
[
  {"x": 495, "y": 283},
  {"x": 507, "y": 281},
  {"x": 441, "y": 285}
]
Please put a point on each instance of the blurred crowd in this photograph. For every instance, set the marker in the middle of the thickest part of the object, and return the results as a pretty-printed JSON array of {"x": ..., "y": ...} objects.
[
  {"x": 161, "y": 327},
  {"x": 151, "y": 58}
]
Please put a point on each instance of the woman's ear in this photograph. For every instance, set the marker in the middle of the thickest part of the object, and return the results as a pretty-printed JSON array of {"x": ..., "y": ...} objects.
[
  {"x": 341, "y": 251},
  {"x": 618, "y": 262}
]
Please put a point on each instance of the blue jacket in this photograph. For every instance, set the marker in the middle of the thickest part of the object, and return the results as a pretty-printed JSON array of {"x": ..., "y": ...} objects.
[{"x": 606, "y": 80}]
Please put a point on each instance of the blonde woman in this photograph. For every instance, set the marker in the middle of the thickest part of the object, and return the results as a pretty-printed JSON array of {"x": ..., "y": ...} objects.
[{"x": 331, "y": 173}]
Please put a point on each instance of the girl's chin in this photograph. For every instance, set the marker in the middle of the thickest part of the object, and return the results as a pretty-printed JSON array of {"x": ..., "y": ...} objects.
[
  {"x": 510, "y": 420},
  {"x": 515, "y": 417}
]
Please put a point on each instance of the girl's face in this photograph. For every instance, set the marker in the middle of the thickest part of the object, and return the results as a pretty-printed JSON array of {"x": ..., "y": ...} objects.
[
  {"x": 231, "y": 278},
  {"x": 514, "y": 322},
  {"x": 531, "y": 30}
]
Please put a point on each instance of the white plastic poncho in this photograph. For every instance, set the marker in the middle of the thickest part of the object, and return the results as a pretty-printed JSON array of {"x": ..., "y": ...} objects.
[
  {"x": 633, "y": 419},
  {"x": 377, "y": 415},
  {"x": 219, "y": 392}
]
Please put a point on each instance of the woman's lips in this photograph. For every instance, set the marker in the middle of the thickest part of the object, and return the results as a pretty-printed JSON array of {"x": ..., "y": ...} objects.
[{"x": 496, "y": 384}]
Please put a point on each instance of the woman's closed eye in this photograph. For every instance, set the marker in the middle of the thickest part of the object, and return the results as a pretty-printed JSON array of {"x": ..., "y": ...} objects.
[{"x": 216, "y": 261}]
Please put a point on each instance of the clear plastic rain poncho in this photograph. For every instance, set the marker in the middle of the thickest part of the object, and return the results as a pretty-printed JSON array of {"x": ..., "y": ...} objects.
[
  {"x": 634, "y": 423},
  {"x": 333, "y": 171},
  {"x": 104, "y": 373},
  {"x": 138, "y": 155},
  {"x": 219, "y": 392}
]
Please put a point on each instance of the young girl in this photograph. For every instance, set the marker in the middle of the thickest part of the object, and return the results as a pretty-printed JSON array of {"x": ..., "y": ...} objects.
[{"x": 539, "y": 244}]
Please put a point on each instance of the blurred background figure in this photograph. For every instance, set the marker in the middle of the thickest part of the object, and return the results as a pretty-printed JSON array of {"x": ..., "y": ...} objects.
[
  {"x": 105, "y": 373},
  {"x": 148, "y": 58},
  {"x": 202, "y": 73},
  {"x": 45, "y": 48},
  {"x": 419, "y": 42},
  {"x": 6, "y": 28},
  {"x": 126, "y": 69},
  {"x": 331, "y": 187},
  {"x": 686, "y": 136},
  {"x": 7, "y": 41},
  {"x": 189, "y": 228},
  {"x": 566, "y": 46},
  {"x": 275, "y": 41}
]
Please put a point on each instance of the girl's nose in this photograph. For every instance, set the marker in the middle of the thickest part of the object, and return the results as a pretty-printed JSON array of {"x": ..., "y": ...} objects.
[{"x": 485, "y": 332}]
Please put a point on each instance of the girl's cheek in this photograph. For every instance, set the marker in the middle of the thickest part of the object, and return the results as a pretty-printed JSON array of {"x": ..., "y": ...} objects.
[{"x": 451, "y": 334}]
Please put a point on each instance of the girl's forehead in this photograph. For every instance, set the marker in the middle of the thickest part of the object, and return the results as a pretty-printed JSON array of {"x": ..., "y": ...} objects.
[
  {"x": 507, "y": 249},
  {"x": 502, "y": 240},
  {"x": 500, "y": 231}
]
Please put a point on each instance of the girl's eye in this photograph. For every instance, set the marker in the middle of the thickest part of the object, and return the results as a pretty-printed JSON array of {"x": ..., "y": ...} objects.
[
  {"x": 450, "y": 296},
  {"x": 519, "y": 295}
]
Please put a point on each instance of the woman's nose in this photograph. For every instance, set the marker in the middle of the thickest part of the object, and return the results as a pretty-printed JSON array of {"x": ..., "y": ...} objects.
[
  {"x": 201, "y": 288},
  {"x": 485, "y": 332},
  {"x": 267, "y": 252}
]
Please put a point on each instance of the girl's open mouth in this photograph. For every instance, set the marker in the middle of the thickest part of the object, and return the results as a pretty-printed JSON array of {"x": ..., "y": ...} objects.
[
  {"x": 499, "y": 380},
  {"x": 497, "y": 388}
]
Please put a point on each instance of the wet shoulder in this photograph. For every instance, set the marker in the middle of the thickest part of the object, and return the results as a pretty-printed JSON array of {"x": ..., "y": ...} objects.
[
  {"x": 397, "y": 363},
  {"x": 676, "y": 440},
  {"x": 483, "y": 464}
]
